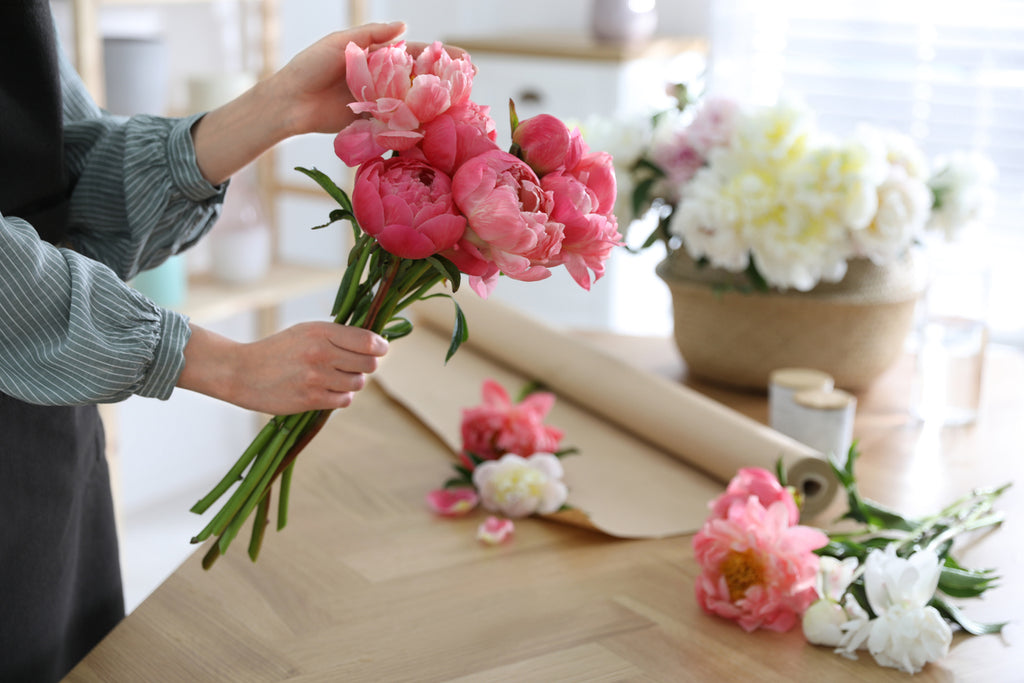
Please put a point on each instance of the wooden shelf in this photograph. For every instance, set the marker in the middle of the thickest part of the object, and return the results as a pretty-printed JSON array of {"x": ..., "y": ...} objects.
[
  {"x": 210, "y": 300},
  {"x": 577, "y": 47}
]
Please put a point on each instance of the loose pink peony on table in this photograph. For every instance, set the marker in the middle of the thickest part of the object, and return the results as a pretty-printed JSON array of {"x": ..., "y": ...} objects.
[{"x": 434, "y": 199}]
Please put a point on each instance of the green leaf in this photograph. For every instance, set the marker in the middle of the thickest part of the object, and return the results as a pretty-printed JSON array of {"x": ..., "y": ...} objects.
[
  {"x": 645, "y": 164},
  {"x": 448, "y": 269},
  {"x": 966, "y": 583},
  {"x": 329, "y": 187},
  {"x": 756, "y": 279},
  {"x": 513, "y": 118},
  {"x": 954, "y": 614},
  {"x": 531, "y": 387},
  {"x": 396, "y": 329},
  {"x": 460, "y": 332},
  {"x": 641, "y": 195},
  {"x": 780, "y": 473}
]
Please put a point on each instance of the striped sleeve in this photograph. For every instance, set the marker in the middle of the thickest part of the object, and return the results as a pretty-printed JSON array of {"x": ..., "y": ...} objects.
[{"x": 71, "y": 331}]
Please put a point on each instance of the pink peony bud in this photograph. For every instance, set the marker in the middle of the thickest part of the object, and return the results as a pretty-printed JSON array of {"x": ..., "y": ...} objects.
[{"x": 546, "y": 144}]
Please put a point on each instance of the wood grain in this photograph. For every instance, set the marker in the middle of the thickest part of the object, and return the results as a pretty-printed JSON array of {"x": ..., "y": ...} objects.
[{"x": 367, "y": 585}]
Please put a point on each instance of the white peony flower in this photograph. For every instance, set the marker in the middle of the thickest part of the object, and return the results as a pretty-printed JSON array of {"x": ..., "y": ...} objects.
[
  {"x": 907, "y": 638},
  {"x": 835, "y": 576},
  {"x": 903, "y": 206},
  {"x": 962, "y": 190},
  {"x": 516, "y": 486},
  {"x": 907, "y": 633}
]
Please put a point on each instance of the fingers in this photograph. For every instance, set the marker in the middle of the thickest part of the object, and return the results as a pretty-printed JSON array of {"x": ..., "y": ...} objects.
[
  {"x": 355, "y": 340},
  {"x": 335, "y": 361},
  {"x": 376, "y": 34}
]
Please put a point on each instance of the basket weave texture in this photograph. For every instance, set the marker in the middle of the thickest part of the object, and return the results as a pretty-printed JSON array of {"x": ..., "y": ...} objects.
[{"x": 853, "y": 329}]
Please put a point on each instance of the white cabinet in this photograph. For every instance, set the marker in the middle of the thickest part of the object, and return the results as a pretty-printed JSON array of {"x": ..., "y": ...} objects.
[{"x": 574, "y": 78}]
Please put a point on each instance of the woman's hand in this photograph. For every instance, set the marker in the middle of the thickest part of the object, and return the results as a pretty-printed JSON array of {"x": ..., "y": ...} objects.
[
  {"x": 310, "y": 366},
  {"x": 308, "y": 95}
]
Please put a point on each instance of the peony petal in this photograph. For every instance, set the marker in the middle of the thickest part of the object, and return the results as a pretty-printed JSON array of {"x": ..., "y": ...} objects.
[
  {"x": 495, "y": 530},
  {"x": 453, "y": 502}
]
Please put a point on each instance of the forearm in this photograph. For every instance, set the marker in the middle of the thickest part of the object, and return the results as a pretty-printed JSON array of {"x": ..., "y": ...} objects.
[{"x": 232, "y": 136}]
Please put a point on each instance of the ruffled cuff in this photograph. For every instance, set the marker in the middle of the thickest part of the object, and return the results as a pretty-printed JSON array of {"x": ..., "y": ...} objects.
[
  {"x": 181, "y": 156},
  {"x": 169, "y": 356}
]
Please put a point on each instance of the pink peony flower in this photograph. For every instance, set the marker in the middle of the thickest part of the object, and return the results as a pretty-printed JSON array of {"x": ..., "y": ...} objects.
[
  {"x": 457, "y": 74},
  {"x": 407, "y": 206},
  {"x": 546, "y": 144},
  {"x": 400, "y": 95},
  {"x": 583, "y": 202},
  {"x": 453, "y": 502},
  {"x": 495, "y": 530},
  {"x": 508, "y": 212},
  {"x": 463, "y": 132},
  {"x": 499, "y": 426},
  {"x": 714, "y": 124},
  {"x": 756, "y": 568},
  {"x": 518, "y": 487},
  {"x": 757, "y": 482},
  {"x": 686, "y": 152}
]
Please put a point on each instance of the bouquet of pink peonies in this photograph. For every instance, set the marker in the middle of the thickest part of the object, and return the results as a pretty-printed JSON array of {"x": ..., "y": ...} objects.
[{"x": 434, "y": 199}]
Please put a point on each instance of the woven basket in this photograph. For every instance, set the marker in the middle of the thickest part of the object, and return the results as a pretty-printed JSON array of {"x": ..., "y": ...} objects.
[{"x": 853, "y": 329}]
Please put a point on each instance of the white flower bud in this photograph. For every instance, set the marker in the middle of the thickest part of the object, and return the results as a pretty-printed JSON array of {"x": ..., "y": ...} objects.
[{"x": 823, "y": 622}]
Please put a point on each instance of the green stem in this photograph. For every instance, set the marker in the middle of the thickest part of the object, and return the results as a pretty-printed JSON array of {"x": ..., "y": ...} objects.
[
  {"x": 256, "y": 489},
  {"x": 354, "y": 276},
  {"x": 373, "y": 315},
  {"x": 236, "y": 470},
  {"x": 283, "y": 495},
  {"x": 259, "y": 526},
  {"x": 259, "y": 466}
]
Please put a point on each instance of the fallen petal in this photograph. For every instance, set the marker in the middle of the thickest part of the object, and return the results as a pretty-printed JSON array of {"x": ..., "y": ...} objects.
[
  {"x": 453, "y": 502},
  {"x": 495, "y": 530}
]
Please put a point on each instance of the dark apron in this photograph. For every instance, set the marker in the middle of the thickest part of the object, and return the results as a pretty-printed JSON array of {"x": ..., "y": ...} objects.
[{"x": 60, "y": 579}]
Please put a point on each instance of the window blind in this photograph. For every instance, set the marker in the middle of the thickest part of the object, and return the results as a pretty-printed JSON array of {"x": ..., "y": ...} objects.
[{"x": 951, "y": 75}]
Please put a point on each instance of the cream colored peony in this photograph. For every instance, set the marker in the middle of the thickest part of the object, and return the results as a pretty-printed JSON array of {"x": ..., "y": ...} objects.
[{"x": 517, "y": 486}]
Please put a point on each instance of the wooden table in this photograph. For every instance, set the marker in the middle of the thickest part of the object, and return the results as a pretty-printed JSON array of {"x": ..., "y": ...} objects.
[{"x": 367, "y": 585}]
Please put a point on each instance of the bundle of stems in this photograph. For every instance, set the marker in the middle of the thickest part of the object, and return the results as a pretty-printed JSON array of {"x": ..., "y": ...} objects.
[{"x": 375, "y": 288}]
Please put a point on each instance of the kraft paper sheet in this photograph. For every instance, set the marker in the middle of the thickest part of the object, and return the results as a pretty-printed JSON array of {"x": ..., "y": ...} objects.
[{"x": 652, "y": 452}]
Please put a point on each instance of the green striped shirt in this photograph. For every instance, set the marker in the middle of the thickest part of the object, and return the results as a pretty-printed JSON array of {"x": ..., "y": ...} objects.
[{"x": 71, "y": 331}]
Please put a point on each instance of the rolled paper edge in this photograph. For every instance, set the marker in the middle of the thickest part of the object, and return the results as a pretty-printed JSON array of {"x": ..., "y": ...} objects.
[
  {"x": 508, "y": 336},
  {"x": 814, "y": 480}
]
